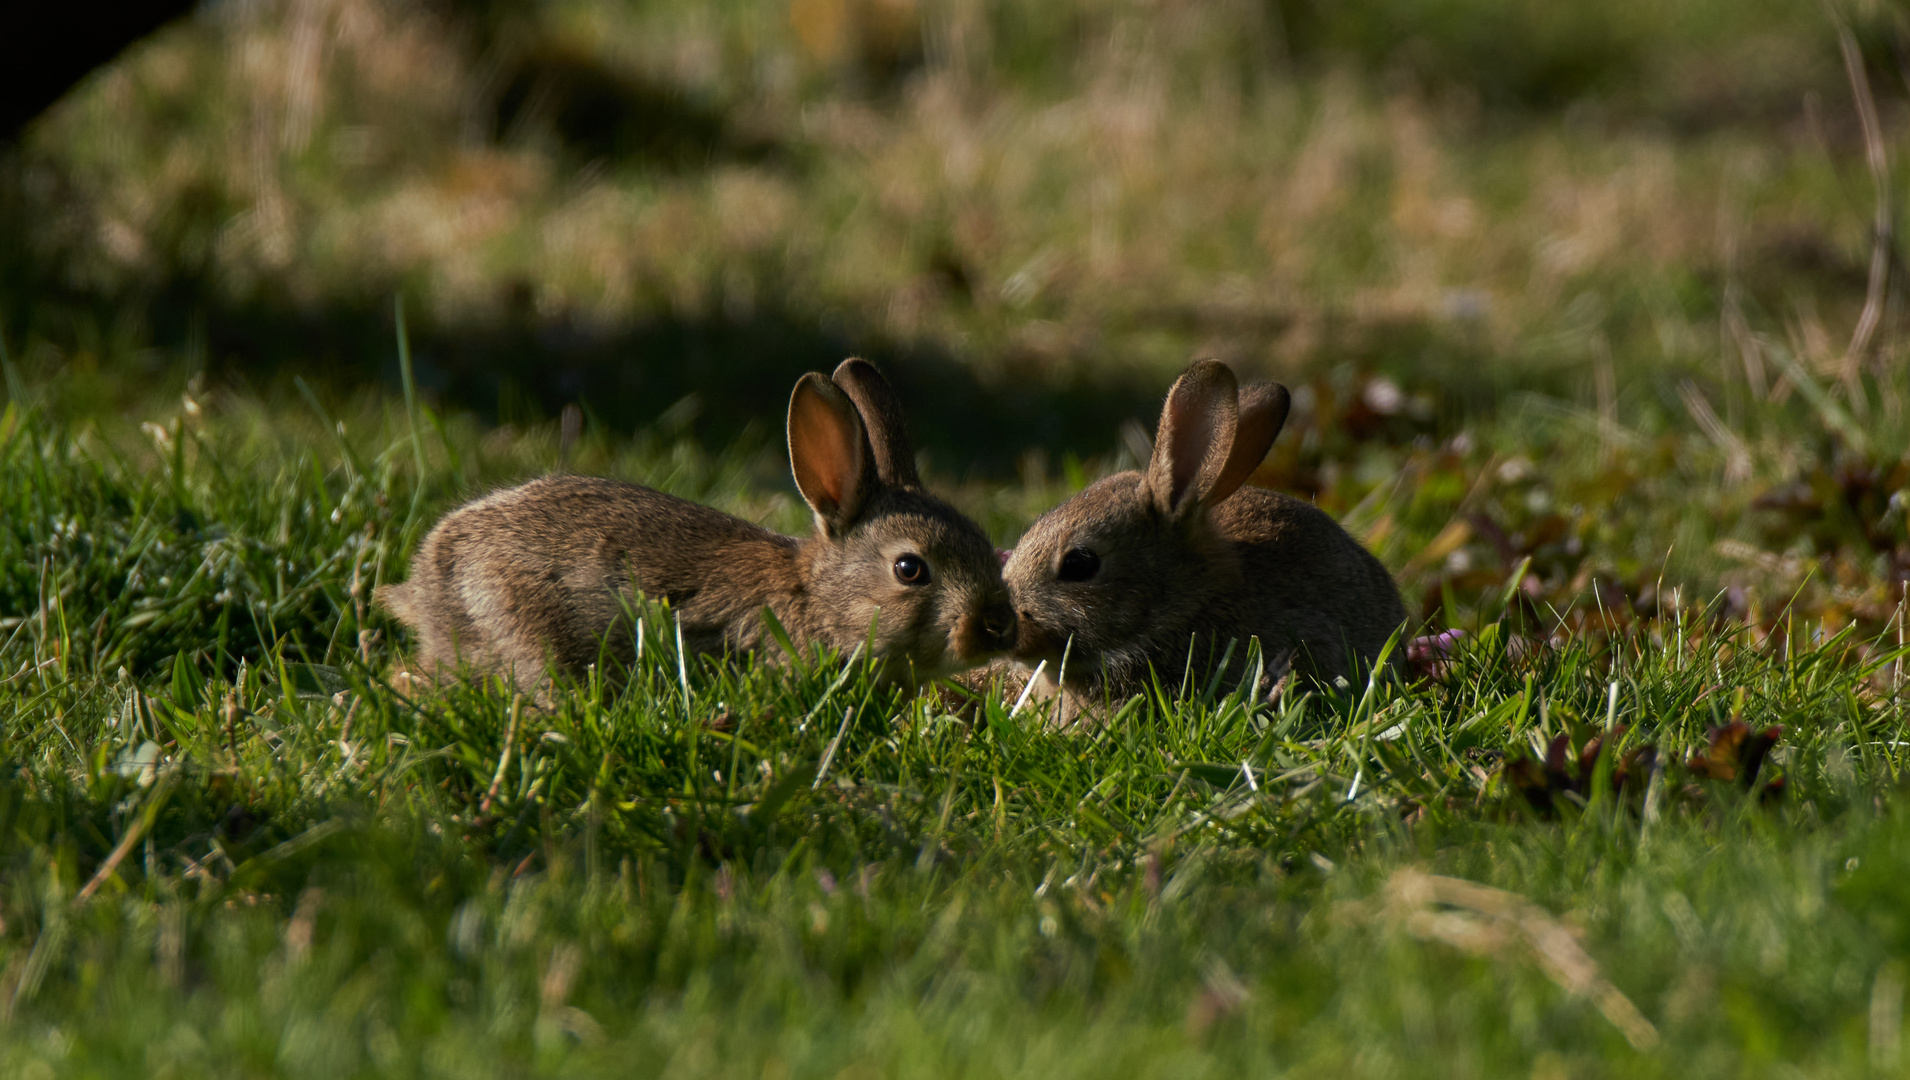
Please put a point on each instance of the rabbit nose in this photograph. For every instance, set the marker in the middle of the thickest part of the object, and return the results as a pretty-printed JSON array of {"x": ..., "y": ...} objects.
[{"x": 998, "y": 626}]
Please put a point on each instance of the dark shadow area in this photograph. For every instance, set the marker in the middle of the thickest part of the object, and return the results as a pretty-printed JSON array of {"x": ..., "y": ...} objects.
[
  {"x": 46, "y": 48},
  {"x": 736, "y": 372},
  {"x": 596, "y": 113},
  {"x": 542, "y": 86},
  {"x": 1518, "y": 62},
  {"x": 719, "y": 375},
  {"x": 1522, "y": 55}
]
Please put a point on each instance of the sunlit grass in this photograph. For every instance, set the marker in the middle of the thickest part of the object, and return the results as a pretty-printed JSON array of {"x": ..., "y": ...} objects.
[{"x": 233, "y": 846}]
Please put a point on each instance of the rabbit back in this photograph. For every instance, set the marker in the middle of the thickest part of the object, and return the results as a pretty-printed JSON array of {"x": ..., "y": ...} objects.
[
  {"x": 1310, "y": 589},
  {"x": 546, "y": 573}
]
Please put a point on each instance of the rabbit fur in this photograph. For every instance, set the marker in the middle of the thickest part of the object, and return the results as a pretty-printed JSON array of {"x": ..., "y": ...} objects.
[
  {"x": 1164, "y": 568},
  {"x": 543, "y": 576}
]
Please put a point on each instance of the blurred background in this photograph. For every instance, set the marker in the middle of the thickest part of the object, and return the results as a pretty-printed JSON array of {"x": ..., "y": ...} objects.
[{"x": 1613, "y": 284}]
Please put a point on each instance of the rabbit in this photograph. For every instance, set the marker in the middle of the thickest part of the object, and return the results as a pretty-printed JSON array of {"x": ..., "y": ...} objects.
[
  {"x": 542, "y": 576},
  {"x": 1165, "y": 568}
]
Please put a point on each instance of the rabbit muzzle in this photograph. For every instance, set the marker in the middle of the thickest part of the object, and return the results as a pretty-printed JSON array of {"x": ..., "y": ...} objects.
[
  {"x": 999, "y": 627},
  {"x": 982, "y": 633},
  {"x": 1035, "y": 641}
]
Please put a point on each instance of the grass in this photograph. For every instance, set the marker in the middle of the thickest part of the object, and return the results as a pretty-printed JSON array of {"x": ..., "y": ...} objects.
[
  {"x": 233, "y": 848},
  {"x": 1565, "y": 297},
  {"x": 1469, "y": 198}
]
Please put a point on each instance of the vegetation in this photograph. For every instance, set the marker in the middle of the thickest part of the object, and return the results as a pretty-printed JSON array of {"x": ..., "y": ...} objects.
[
  {"x": 233, "y": 847},
  {"x": 1594, "y": 318}
]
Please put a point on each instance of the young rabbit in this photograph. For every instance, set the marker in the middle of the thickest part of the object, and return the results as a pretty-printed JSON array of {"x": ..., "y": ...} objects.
[
  {"x": 542, "y": 576},
  {"x": 1167, "y": 567}
]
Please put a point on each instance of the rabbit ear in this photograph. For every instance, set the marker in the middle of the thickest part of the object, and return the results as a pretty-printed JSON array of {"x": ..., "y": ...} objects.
[
  {"x": 1263, "y": 410},
  {"x": 882, "y": 419},
  {"x": 828, "y": 452},
  {"x": 1197, "y": 430}
]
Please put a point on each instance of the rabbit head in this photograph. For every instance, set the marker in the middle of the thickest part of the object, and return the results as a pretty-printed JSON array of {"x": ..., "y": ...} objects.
[
  {"x": 889, "y": 563},
  {"x": 1125, "y": 571}
]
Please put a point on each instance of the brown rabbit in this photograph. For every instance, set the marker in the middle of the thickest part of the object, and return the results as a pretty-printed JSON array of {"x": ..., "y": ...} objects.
[
  {"x": 1167, "y": 567},
  {"x": 543, "y": 576}
]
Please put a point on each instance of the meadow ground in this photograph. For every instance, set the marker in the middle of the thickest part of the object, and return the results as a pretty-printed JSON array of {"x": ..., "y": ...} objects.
[
  {"x": 1594, "y": 316},
  {"x": 232, "y": 848}
]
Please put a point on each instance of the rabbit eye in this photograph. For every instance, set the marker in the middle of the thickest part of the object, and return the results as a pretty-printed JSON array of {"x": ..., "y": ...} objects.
[
  {"x": 1079, "y": 564},
  {"x": 911, "y": 570}
]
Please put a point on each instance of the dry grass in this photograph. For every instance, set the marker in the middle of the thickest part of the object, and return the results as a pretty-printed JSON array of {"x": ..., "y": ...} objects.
[{"x": 1144, "y": 200}]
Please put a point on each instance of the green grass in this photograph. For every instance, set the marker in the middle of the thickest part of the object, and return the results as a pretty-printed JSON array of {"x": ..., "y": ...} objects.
[{"x": 232, "y": 848}]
